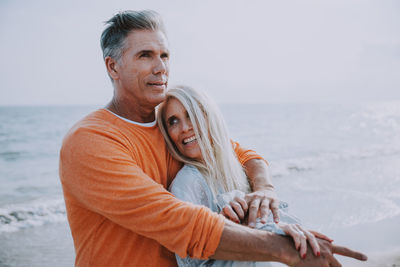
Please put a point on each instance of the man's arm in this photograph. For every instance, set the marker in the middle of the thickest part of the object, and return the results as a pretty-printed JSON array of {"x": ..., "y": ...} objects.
[
  {"x": 259, "y": 175},
  {"x": 99, "y": 173},
  {"x": 245, "y": 244},
  {"x": 263, "y": 197}
]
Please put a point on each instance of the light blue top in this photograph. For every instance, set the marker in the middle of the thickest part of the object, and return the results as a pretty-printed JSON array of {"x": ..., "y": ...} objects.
[{"x": 189, "y": 185}]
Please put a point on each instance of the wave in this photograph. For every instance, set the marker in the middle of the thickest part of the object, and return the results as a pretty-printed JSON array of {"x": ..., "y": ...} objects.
[
  {"x": 11, "y": 155},
  {"x": 284, "y": 167},
  {"x": 20, "y": 216}
]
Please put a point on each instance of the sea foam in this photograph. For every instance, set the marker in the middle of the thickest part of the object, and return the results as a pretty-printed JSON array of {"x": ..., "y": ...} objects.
[{"x": 19, "y": 216}]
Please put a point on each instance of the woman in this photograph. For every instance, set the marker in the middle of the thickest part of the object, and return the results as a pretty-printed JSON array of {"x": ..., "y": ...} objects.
[{"x": 196, "y": 135}]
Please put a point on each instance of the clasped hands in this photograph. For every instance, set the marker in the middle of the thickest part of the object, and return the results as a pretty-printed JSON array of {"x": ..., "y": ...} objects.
[{"x": 246, "y": 208}]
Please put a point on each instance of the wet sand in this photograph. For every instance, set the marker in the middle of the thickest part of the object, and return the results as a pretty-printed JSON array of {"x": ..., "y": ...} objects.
[
  {"x": 51, "y": 245},
  {"x": 379, "y": 240},
  {"x": 42, "y": 246}
]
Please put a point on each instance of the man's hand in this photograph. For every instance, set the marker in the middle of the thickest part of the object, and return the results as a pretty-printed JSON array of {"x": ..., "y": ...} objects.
[
  {"x": 327, "y": 258},
  {"x": 263, "y": 197},
  {"x": 245, "y": 244},
  {"x": 253, "y": 205},
  {"x": 259, "y": 203},
  {"x": 303, "y": 237}
]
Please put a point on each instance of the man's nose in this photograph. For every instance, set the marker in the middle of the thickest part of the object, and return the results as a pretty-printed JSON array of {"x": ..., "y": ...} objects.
[{"x": 160, "y": 66}]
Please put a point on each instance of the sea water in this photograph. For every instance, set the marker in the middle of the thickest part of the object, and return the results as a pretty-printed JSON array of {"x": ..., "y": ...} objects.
[{"x": 337, "y": 165}]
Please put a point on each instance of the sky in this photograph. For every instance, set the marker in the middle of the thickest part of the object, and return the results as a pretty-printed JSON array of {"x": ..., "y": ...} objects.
[{"x": 249, "y": 51}]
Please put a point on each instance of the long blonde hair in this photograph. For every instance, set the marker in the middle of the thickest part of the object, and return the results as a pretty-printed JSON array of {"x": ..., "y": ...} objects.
[{"x": 220, "y": 167}]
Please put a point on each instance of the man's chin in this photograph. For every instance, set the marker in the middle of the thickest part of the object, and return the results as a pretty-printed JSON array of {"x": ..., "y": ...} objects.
[{"x": 156, "y": 100}]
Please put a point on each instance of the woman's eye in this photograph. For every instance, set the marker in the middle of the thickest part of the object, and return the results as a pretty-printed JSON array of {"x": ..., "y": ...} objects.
[{"x": 172, "y": 121}]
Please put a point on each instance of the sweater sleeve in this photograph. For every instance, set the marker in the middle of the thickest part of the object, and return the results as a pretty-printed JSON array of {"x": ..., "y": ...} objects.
[
  {"x": 99, "y": 171},
  {"x": 244, "y": 154}
]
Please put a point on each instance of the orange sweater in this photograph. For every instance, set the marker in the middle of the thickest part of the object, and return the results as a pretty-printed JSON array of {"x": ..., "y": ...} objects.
[{"x": 114, "y": 174}]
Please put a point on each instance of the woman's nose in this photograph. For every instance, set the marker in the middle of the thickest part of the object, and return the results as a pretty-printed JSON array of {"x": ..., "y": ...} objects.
[{"x": 186, "y": 125}]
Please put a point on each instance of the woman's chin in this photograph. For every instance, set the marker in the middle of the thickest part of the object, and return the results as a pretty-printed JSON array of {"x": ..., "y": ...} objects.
[{"x": 193, "y": 156}]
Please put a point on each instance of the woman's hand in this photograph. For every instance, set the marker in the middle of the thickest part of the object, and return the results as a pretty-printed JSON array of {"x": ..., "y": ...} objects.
[
  {"x": 236, "y": 206},
  {"x": 301, "y": 236}
]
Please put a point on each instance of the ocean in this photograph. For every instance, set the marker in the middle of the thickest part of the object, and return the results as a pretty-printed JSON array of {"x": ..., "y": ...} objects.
[{"x": 337, "y": 165}]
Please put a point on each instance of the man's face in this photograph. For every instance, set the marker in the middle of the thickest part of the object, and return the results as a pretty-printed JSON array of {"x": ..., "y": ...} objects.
[{"x": 144, "y": 67}]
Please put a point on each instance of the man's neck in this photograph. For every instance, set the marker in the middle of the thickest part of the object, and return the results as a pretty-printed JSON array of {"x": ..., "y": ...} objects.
[{"x": 131, "y": 111}]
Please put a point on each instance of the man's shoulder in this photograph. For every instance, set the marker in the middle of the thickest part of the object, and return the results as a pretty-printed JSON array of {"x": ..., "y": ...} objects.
[
  {"x": 95, "y": 119},
  {"x": 95, "y": 123},
  {"x": 103, "y": 127}
]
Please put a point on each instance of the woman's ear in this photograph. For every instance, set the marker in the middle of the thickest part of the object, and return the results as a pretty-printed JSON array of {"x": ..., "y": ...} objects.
[{"x": 111, "y": 66}]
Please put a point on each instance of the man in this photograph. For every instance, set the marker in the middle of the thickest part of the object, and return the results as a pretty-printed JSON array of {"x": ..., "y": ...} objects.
[{"x": 114, "y": 168}]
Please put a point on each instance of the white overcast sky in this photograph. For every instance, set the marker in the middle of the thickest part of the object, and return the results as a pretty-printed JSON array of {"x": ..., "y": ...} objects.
[{"x": 238, "y": 51}]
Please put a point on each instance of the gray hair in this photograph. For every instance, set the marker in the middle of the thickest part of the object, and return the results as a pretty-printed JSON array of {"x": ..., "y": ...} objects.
[
  {"x": 120, "y": 25},
  {"x": 220, "y": 167}
]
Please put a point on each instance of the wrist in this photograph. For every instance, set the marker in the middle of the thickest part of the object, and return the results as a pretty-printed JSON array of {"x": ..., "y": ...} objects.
[
  {"x": 269, "y": 187},
  {"x": 284, "y": 250}
]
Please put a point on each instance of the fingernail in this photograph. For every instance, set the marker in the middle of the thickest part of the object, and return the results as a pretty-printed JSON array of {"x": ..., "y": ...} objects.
[
  {"x": 252, "y": 225},
  {"x": 318, "y": 254},
  {"x": 304, "y": 256},
  {"x": 364, "y": 258}
]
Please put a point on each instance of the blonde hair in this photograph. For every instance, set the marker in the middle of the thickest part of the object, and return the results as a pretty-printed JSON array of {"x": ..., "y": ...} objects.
[{"x": 220, "y": 167}]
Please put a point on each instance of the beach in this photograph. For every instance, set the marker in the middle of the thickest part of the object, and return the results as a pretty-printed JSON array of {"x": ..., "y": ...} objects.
[
  {"x": 336, "y": 165},
  {"x": 379, "y": 240},
  {"x": 47, "y": 245},
  {"x": 51, "y": 245}
]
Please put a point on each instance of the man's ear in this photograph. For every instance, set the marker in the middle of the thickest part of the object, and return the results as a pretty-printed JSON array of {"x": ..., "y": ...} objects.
[{"x": 111, "y": 66}]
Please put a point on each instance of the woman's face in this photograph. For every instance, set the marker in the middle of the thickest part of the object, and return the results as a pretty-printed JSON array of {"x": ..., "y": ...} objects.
[{"x": 180, "y": 129}]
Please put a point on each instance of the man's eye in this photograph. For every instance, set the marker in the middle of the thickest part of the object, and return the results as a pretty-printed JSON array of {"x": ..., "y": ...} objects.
[
  {"x": 165, "y": 55},
  {"x": 145, "y": 55}
]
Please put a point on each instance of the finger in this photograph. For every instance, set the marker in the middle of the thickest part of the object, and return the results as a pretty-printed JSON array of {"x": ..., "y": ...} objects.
[
  {"x": 303, "y": 241},
  {"x": 274, "y": 205},
  {"x": 290, "y": 231},
  {"x": 321, "y": 236},
  {"x": 237, "y": 209},
  {"x": 312, "y": 241},
  {"x": 243, "y": 203},
  {"x": 349, "y": 253},
  {"x": 264, "y": 210},
  {"x": 303, "y": 245},
  {"x": 230, "y": 214},
  {"x": 253, "y": 210}
]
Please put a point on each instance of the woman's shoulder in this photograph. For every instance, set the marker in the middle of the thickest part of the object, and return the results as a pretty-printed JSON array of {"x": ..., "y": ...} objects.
[
  {"x": 189, "y": 185},
  {"x": 186, "y": 176},
  {"x": 188, "y": 172}
]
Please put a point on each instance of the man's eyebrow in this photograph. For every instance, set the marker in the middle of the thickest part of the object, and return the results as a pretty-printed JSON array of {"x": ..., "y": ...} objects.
[
  {"x": 144, "y": 51},
  {"x": 147, "y": 51}
]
